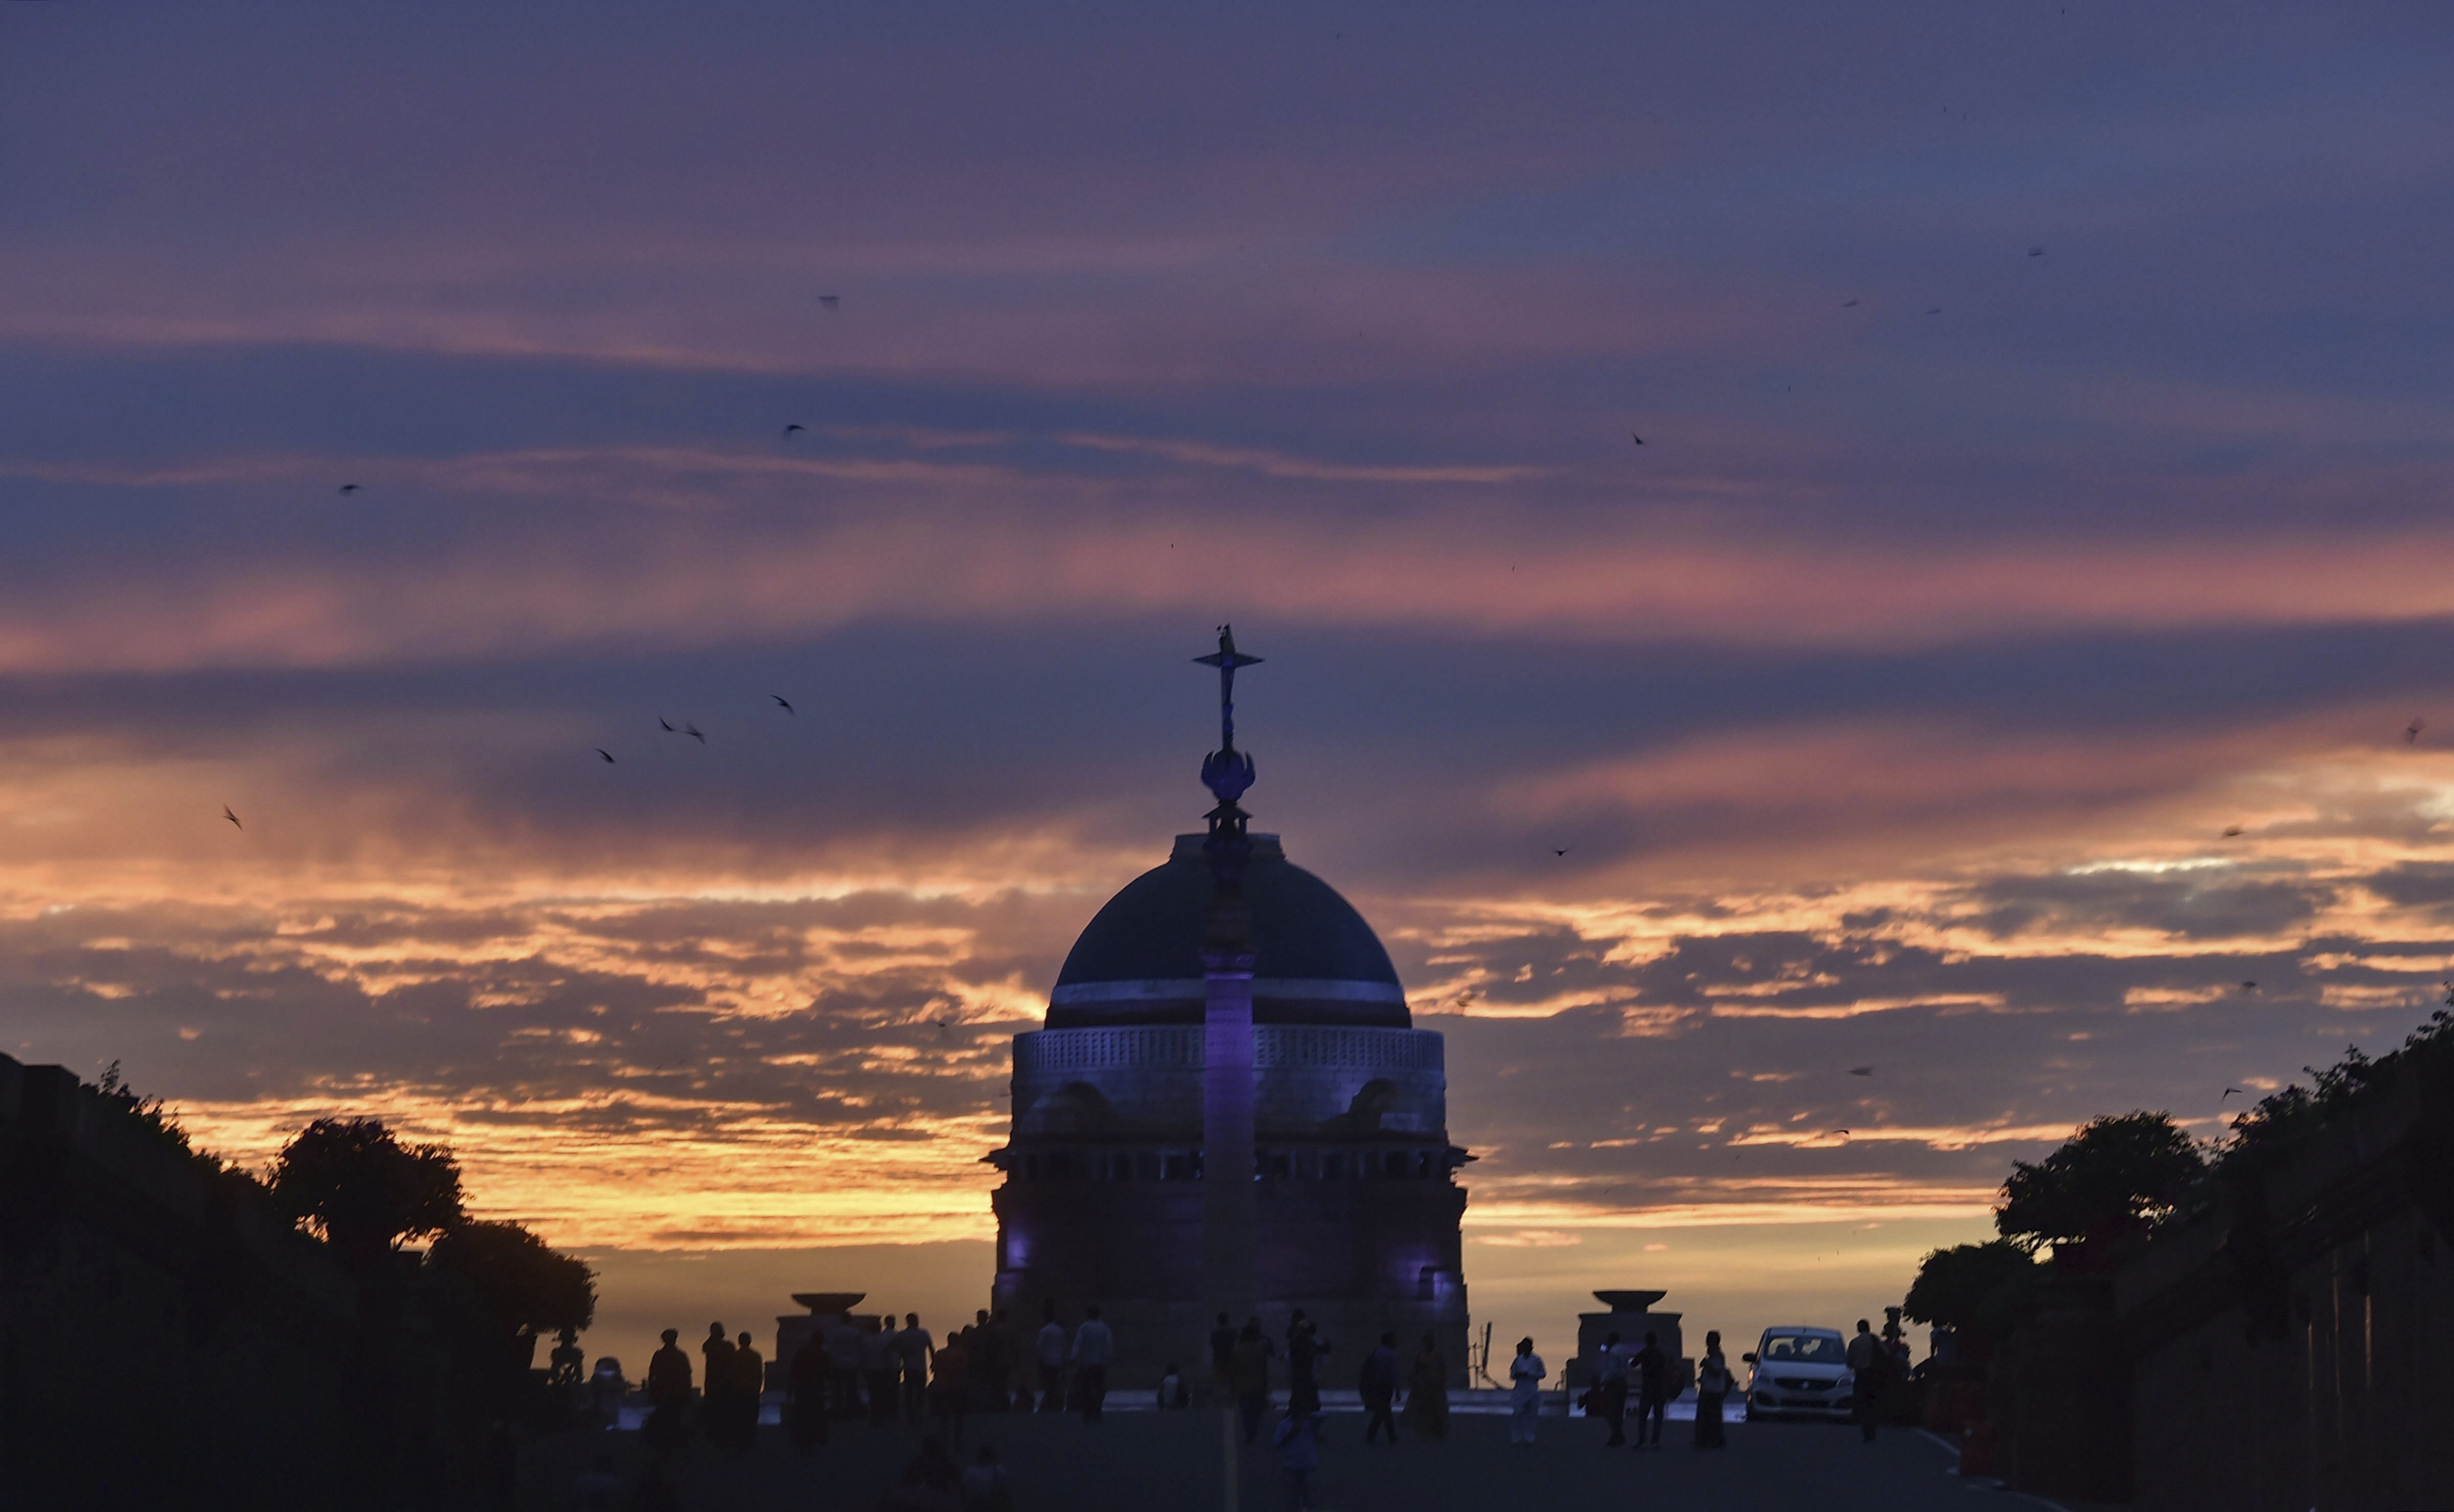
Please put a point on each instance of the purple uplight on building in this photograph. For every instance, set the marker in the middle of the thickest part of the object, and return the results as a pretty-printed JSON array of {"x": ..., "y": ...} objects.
[{"x": 1228, "y": 1012}]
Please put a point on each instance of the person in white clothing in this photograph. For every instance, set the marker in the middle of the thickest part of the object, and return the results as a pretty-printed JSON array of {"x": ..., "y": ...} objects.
[
  {"x": 1094, "y": 1348},
  {"x": 1526, "y": 1375},
  {"x": 1051, "y": 1363}
]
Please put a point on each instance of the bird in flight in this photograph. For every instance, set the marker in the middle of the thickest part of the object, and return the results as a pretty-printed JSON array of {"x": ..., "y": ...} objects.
[
  {"x": 1935, "y": 310},
  {"x": 667, "y": 725},
  {"x": 349, "y": 487},
  {"x": 828, "y": 301},
  {"x": 792, "y": 431},
  {"x": 1861, "y": 1071},
  {"x": 2036, "y": 252},
  {"x": 232, "y": 818},
  {"x": 1849, "y": 303},
  {"x": 1637, "y": 439},
  {"x": 2411, "y": 731},
  {"x": 781, "y": 703},
  {"x": 1844, "y": 1133},
  {"x": 607, "y": 754},
  {"x": 2249, "y": 986},
  {"x": 1562, "y": 850},
  {"x": 693, "y": 731},
  {"x": 2231, "y": 830},
  {"x": 2229, "y": 1091}
]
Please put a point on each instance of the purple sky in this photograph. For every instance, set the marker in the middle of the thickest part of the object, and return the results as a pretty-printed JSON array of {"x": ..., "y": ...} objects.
[{"x": 2045, "y": 467}]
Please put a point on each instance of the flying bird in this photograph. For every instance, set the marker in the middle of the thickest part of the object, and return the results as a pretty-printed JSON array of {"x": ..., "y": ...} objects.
[
  {"x": 828, "y": 301},
  {"x": 1844, "y": 1133},
  {"x": 2411, "y": 731},
  {"x": 667, "y": 725},
  {"x": 693, "y": 731},
  {"x": 2036, "y": 252},
  {"x": 232, "y": 818},
  {"x": 2229, "y": 1091},
  {"x": 607, "y": 754},
  {"x": 2231, "y": 830},
  {"x": 779, "y": 700},
  {"x": 1562, "y": 850},
  {"x": 1935, "y": 310},
  {"x": 792, "y": 431},
  {"x": 1849, "y": 303},
  {"x": 2249, "y": 986},
  {"x": 1637, "y": 439},
  {"x": 349, "y": 487},
  {"x": 1861, "y": 1071}
]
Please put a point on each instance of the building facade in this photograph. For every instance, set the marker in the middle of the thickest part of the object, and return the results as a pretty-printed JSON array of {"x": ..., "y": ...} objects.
[{"x": 1218, "y": 1014}]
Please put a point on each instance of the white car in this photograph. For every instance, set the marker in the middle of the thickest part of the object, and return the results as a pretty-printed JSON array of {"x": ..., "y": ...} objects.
[{"x": 1799, "y": 1372}]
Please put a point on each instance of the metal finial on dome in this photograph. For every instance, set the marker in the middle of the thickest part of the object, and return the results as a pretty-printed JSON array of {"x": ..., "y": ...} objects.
[{"x": 1227, "y": 771}]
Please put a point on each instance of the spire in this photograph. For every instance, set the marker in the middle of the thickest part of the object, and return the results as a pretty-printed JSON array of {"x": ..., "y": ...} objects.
[{"x": 1227, "y": 773}]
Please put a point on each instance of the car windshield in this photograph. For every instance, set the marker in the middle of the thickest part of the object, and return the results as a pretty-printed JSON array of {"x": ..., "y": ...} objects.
[{"x": 1808, "y": 1349}]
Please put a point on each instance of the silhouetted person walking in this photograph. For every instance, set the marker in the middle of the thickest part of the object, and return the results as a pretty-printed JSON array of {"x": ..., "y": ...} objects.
[
  {"x": 843, "y": 1365},
  {"x": 950, "y": 1395},
  {"x": 1651, "y": 1368},
  {"x": 1427, "y": 1391},
  {"x": 716, "y": 1389},
  {"x": 992, "y": 1358},
  {"x": 1053, "y": 1344},
  {"x": 1095, "y": 1349},
  {"x": 1867, "y": 1357},
  {"x": 880, "y": 1371},
  {"x": 1611, "y": 1368},
  {"x": 1378, "y": 1385},
  {"x": 1304, "y": 1348},
  {"x": 669, "y": 1395},
  {"x": 748, "y": 1385},
  {"x": 1711, "y": 1388},
  {"x": 1248, "y": 1375},
  {"x": 805, "y": 1404},
  {"x": 913, "y": 1348},
  {"x": 1222, "y": 1351}
]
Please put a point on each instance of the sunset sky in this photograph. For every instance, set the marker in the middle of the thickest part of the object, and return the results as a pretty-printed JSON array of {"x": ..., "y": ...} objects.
[{"x": 2045, "y": 467}]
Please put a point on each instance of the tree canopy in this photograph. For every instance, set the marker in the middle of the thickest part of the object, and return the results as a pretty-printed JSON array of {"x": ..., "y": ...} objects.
[
  {"x": 2283, "y": 1119},
  {"x": 517, "y": 1280},
  {"x": 1971, "y": 1289},
  {"x": 365, "y": 1190},
  {"x": 2116, "y": 1177}
]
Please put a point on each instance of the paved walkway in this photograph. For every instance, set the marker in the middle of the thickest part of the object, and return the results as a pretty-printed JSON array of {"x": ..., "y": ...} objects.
[{"x": 1175, "y": 1462}]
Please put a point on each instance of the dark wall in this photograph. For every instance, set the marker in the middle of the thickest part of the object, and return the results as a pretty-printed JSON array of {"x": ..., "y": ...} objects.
[
  {"x": 2292, "y": 1348},
  {"x": 165, "y": 1339}
]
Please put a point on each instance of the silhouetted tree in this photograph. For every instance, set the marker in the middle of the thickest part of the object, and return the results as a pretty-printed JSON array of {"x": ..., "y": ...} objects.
[
  {"x": 148, "y": 1117},
  {"x": 2115, "y": 1177},
  {"x": 515, "y": 1279},
  {"x": 2282, "y": 1121},
  {"x": 354, "y": 1180},
  {"x": 1971, "y": 1289}
]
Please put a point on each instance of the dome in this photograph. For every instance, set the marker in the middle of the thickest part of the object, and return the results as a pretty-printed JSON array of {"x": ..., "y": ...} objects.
[{"x": 1138, "y": 962}]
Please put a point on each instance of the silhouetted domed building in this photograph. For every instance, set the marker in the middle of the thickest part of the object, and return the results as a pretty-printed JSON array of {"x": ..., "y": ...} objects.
[{"x": 1228, "y": 1011}]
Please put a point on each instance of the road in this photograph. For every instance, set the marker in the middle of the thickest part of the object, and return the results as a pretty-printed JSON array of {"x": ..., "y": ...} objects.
[{"x": 1143, "y": 1460}]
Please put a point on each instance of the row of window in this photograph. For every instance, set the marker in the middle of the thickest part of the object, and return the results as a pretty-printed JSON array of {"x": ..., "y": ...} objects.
[
  {"x": 1306, "y": 1045},
  {"x": 1185, "y": 1165}
]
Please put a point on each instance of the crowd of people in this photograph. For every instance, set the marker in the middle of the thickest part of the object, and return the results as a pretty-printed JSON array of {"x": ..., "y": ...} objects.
[
  {"x": 872, "y": 1371},
  {"x": 1647, "y": 1374}
]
